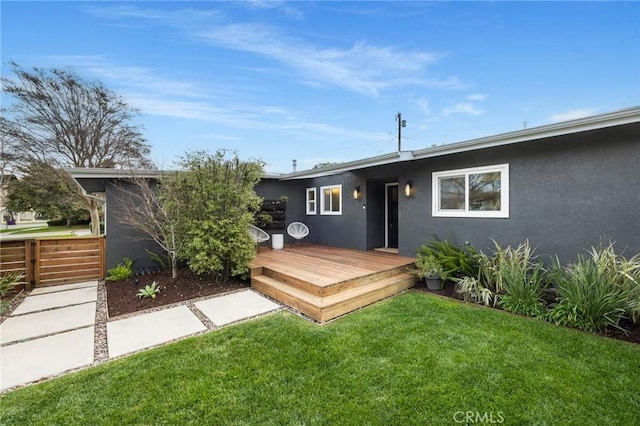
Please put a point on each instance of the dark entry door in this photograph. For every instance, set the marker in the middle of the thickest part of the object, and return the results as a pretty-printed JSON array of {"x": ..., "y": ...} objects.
[{"x": 392, "y": 216}]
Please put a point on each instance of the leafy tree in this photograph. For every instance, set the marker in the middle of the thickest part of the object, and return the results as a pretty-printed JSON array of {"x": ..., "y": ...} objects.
[
  {"x": 36, "y": 191},
  {"x": 60, "y": 120},
  {"x": 153, "y": 205},
  {"x": 218, "y": 192}
]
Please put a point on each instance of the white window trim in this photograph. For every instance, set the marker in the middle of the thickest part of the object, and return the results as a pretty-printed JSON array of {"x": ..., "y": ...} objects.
[
  {"x": 315, "y": 201},
  {"x": 322, "y": 206},
  {"x": 504, "y": 192}
]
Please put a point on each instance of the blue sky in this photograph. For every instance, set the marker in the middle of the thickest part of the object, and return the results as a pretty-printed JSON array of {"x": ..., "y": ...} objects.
[{"x": 322, "y": 81}]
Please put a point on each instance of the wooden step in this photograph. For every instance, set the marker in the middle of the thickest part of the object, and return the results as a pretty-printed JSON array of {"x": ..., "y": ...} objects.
[
  {"x": 291, "y": 296},
  {"x": 364, "y": 280},
  {"x": 326, "y": 308},
  {"x": 347, "y": 301}
]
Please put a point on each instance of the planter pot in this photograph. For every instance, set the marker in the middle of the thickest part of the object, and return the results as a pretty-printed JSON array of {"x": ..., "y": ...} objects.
[{"x": 434, "y": 283}]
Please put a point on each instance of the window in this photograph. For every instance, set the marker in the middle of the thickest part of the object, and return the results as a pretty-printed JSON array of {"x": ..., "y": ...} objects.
[
  {"x": 476, "y": 192},
  {"x": 311, "y": 201},
  {"x": 331, "y": 199}
]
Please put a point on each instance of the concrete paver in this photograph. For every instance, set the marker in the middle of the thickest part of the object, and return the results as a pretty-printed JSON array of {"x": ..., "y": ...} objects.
[
  {"x": 135, "y": 333},
  {"x": 235, "y": 307},
  {"x": 47, "y": 322},
  {"x": 29, "y": 361},
  {"x": 64, "y": 287},
  {"x": 56, "y": 300}
]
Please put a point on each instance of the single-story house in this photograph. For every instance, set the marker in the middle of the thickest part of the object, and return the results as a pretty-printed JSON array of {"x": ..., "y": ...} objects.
[{"x": 564, "y": 187}]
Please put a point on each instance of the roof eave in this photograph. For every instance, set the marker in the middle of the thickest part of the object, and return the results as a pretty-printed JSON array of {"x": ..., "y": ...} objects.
[{"x": 625, "y": 116}]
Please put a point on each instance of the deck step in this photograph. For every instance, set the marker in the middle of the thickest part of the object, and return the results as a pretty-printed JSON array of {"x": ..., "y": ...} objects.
[
  {"x": 338, "y": 303},
  {"x": 294, "y": 297}
]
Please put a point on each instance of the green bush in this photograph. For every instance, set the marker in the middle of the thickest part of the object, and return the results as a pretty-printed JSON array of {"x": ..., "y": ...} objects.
[
  {"x": 519, "y": 279},
  {"x": 149, "y": 291},
  {"x": 429, "y": 267},
  {"x": 218, "y": 193},
  {"x": 122, "y": 271},
  {"x": 456, "y": 262},
  {"x": 473, "y": 290},
  {"x": 8, "y": 282},
  {"x": 629, "y": 271},
  {"x": 590, "y": 293}
]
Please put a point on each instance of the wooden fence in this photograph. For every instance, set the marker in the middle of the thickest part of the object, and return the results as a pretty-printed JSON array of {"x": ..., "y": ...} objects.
[{"x": 47, "y": 262}]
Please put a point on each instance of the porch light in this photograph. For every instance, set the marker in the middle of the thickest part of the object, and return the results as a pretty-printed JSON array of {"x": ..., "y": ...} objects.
[
  {"x": 407, "y": 188},
  {"x": 356, "y": 193}
]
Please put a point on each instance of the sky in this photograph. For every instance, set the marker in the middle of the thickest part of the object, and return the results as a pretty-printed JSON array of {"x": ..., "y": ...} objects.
[{"x": 323, "y": 81}]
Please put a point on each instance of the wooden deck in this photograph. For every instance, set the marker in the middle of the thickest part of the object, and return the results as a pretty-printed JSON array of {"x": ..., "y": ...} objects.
[{"x": 326, "y": 282}]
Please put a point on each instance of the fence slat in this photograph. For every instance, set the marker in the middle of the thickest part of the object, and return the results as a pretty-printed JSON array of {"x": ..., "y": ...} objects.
[{"x": 50, "y": 262}]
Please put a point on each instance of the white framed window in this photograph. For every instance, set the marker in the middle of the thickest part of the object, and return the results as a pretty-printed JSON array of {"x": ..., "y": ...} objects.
[
  {"x": 311, "y": 201},
  {"x": 473, "y": 192},
  {"x": 331, "y": 200}
]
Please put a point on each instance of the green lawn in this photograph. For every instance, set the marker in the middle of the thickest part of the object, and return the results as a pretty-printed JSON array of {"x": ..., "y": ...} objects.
[{"x": 413, "y": 359}]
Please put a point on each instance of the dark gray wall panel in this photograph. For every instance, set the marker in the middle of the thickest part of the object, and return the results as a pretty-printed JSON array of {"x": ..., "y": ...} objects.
[
  {"x": 124, "y": 241},
  {"x": 566, "y": 194}
]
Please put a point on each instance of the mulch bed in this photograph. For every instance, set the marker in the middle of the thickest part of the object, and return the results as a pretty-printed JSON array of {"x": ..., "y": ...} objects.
[
  {"x": 633, "y": 330},
  {"x": 122, "y": 295}
]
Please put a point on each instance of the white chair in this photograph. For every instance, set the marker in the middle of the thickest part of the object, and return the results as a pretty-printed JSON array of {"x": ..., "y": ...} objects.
[
  {"x": 297, "y": 231},
  {"x": 259, "y": 236}
]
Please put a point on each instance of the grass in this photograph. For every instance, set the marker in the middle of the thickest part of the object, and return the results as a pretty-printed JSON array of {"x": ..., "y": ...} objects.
[
  {"x": 412, "y": 359},
  {"x": 69, "y": 229}
]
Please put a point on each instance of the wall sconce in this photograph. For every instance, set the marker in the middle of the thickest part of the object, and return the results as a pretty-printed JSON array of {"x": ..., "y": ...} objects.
[
  {"x": 407, "y": 188},
  {"x": 356, "y": 193}
]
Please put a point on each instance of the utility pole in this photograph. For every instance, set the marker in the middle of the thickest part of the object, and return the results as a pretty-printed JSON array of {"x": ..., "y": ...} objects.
[{"x": 401, "y": 123}]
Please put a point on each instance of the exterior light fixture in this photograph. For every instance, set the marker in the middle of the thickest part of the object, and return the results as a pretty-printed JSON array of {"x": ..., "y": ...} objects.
[
  {"x": 407, "y": 188},
  {"x": 356, "y": 193}
]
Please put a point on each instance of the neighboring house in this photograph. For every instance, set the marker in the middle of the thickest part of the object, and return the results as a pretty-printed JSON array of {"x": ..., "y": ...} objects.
[{"x": 564, "y": 187}]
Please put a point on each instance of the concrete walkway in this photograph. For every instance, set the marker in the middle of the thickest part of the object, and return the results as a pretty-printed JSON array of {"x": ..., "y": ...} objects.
[{"x": 54, "y": 330}]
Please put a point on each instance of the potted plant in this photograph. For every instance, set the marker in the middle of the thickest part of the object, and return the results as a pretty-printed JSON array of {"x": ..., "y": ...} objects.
[{"x": 431, "y": 271}]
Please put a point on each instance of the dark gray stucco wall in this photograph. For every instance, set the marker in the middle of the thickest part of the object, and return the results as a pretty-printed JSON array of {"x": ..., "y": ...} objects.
[
  {"x": 567, "y": 193},
  {"x": 273, "y": 189},
  {"x": 122, "y": 240}
]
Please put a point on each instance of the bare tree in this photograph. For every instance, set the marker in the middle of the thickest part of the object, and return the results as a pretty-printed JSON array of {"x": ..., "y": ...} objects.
[
  {"x": 62, "y": 121},
  {"x": 152, "y": 205}
]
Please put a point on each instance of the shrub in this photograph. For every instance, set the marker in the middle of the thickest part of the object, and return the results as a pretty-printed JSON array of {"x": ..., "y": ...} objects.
[
  {"x": 220, "y": 200},
  {"x": 7, "y": 283},
  {"x": 456, "y": 262},
  {"x": 429, "y": 267},
  {"x": 519, "y": 279},
  {"x": 630, "y": 276},
  {"x": 122, "y": 271},
  {"x": 590, "y": 293},
  {"x": 472, "y": 290},
  {"x": 149, "y": 291}
]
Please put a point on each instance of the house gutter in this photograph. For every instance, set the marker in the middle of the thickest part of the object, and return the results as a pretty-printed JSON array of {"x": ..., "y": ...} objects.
[
  {"x": 380, "y": 160},
  {"x": 625, "y": 116}
]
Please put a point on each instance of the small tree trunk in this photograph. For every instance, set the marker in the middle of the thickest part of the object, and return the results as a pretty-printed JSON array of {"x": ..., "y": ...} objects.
[
  {"x": 95, "y": 217},
  {"x": 174, "y": 267},
  {"x": 68, "y": 221}
]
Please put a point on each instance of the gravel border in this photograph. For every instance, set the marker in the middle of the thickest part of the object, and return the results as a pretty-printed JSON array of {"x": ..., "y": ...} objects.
[{"x": 17, "y": 299}]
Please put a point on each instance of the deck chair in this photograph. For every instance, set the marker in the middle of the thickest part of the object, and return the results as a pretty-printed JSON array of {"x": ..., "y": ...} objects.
[
  {"x": 297, "y": 231},
  {"x": 259, "y": 236}
]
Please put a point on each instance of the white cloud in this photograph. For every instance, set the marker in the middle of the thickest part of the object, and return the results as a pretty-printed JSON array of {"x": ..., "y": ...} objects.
[
  {"x": 477, "y": 97},
  {"x": 361, "y": 67},
  {"x": 572, "y": 114},
  {"x": 463, "y": 108}
]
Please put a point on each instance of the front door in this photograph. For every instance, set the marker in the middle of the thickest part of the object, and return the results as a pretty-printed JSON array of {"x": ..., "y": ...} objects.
[{"x": 391, "y": 215}]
